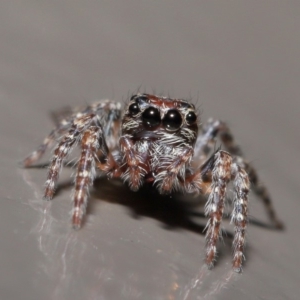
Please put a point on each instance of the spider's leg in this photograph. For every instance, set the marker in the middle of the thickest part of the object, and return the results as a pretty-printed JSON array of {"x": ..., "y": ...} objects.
[
  {"x": 63, "y": 115},
  {"x": 63, "y": 149},
  {"x": 85, "y": 172},
  {"x": 66, "y": 113},
  {"x": 205, "y": 144},
  {"x": 220, "y": 171},
  {"x": 261, "y": 191},
  {"x": 39, "y": 152},
  {"x": 110, "y": 118},
  {"x": 110, "y": 111},
  {"x": 206, "y": 140},
  {"x": 239, "y": 216},
  {"x": 215, "y": 175},
  {"x": 47, "y": 143}
]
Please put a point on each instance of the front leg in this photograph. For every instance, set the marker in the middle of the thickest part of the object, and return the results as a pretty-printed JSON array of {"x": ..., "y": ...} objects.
[
  {"x": 62, "y": 150},
  {"x": 212, "y": 178},
  {"x": 206, "y": 142},
  {"x": 85, "y": 172},
  {"x": 222, "y": 170},
  {"x": 220, "y": 176}
]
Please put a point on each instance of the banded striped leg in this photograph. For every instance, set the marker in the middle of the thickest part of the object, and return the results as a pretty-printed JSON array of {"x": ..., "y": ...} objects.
[
  {"x": 85, "y": 173},
  {"x": 205, "y": 144},
  {"x": 221, "y": 175},
  {"x": 224, "y": 170},
  {"x": 61, "y": 126},
  {"x": 62, "y": 116},
  {"x": 110, "y": 111},
  {"x": 40, "y": 151},
  {"x": 261, "y": 191},
  {"x": 240, "y": 214},
  {"x": 206, "y": 141},
  {"x": 62, "y": 150}
]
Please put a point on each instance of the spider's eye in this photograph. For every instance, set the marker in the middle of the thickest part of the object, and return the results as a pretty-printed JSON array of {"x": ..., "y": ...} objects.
[
  {"x": 151, "y": 117},
  {"x": 172, "y": 120},
  {"x": 191, "y": 118},
  {"x": 134, "y": 109}
]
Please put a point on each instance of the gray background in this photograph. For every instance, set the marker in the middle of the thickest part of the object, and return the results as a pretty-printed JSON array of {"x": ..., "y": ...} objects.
[{"x": 238, "y": 60}]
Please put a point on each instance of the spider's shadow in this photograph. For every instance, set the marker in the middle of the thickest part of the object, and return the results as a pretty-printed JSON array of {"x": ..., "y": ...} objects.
[
  {"x": 174, "y": 212},
  {"x": 171, "y": 211}
]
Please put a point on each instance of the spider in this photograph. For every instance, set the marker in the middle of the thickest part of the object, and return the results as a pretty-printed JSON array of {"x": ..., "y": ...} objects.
[{"x": 159, "y": 141}]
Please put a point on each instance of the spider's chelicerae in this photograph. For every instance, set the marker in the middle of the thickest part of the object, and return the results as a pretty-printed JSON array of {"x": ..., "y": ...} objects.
[{"x": 157, "y": 140}]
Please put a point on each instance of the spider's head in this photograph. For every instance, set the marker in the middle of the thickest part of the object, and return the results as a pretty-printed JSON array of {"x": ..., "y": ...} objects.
[{"x": 149, "y": 117}]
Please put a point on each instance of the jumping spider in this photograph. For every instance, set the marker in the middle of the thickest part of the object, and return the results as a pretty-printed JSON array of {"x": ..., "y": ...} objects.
[{"x": 158, "y": 140}]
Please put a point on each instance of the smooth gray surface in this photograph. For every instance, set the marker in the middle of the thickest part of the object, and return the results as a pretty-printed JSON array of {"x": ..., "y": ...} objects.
[{"x": 239, "y": 60}]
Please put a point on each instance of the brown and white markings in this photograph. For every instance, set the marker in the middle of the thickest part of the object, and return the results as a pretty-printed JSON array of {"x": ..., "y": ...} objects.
[{"x": 157, "y": 140}]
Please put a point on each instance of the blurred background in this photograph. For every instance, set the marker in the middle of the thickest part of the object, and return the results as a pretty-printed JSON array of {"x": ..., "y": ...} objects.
[{"x": 237, "y": 60}]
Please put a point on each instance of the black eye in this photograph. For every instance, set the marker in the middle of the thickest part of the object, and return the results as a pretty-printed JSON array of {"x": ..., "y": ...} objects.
[
  {"x": 134, "y": 109},
  {"x": 151, "y": 117},
  {"x": 172, "y": 120},
  {"x": 191, "y": 118}
]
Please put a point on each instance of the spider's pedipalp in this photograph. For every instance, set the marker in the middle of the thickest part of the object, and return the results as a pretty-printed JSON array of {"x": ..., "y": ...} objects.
[
  {"x": 167, "y": 179},
  {"x": 135, "y": 172}
]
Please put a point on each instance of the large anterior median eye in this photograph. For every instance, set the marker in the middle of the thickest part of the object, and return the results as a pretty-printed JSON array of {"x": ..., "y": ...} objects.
[
  {"x": 172, "y": 120},
  {"x": 151, "y": 117}
]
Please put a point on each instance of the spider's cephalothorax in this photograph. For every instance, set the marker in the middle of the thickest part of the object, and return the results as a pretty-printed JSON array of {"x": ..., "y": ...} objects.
[{"x": 158, "y": 140}]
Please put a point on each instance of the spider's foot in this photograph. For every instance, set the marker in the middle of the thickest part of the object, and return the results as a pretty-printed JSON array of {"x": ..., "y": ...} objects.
[
  {"x": 210, "y": 259},
  {"x": 48, "y": 195},
  {"x": 210, "y": 266},
  {"x": 31, "y": 159},
  {"x": 238, "y": 269},
  {"x": 237, "y": 262},
  {"x": 76, "y": 226},
  {"x": 279, "y": 225},
  {"x": 77, "y": 220},
  {"x": 23, "y": 163}
]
